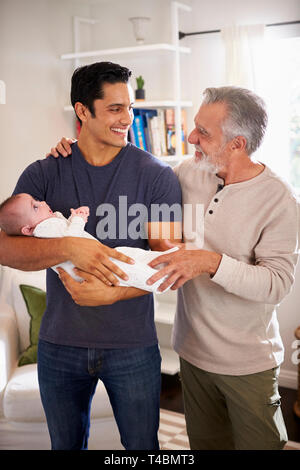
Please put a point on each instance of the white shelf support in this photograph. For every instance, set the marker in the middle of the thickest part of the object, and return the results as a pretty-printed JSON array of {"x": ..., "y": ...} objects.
[
  {"x": 175, "y": 7},
  {"x": 2, "y": 92},
  {"x": 77, "y": 21}
]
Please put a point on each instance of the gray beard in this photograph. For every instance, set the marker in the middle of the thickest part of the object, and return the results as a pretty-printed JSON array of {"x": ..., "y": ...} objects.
[{"x": 205, "y": 164}]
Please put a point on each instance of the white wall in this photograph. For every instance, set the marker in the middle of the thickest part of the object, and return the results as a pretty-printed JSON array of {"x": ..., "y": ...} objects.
[{"x": 33, "y": 35}]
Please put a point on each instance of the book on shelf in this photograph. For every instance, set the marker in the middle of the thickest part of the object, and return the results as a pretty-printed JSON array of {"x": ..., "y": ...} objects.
[
  {"x": 153, "y": 130},
  {"x": 171, "y": 131}
]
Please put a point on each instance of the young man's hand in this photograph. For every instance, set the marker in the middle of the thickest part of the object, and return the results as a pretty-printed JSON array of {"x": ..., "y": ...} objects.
[
  {"x": 91, "y": 292},
  {"x": 92, "y": 257}
]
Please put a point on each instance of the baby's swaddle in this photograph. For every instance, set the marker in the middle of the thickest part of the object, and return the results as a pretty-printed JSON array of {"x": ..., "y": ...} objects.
[
  {"x": 140, "y": 272},
  {"x": 137, "y": 273}
]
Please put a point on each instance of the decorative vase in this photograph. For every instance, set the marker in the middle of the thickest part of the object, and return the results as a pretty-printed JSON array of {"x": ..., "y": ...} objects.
[{"x": 140, "y": 24}]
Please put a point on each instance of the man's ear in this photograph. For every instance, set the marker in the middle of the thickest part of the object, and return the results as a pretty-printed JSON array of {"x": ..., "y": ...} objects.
[
  {"x": 81, "y": 111},
  {"x": 239, "y": 143},
  {"x": 28, "y": 231}
]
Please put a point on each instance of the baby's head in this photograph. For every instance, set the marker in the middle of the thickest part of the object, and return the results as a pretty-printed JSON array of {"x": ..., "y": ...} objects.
[{"x": 20, "y": 214}]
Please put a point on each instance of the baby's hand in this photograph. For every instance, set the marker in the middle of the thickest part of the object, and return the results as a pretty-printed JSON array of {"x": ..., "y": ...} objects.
[{"x": 83, "y": 212}]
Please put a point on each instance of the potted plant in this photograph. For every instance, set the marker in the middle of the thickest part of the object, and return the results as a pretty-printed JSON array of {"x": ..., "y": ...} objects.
[{"x": 140, "y": 92}]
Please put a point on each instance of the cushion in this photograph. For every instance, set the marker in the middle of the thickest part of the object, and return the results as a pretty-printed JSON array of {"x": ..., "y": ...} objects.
[
  {"x": 35, "y": 300},
  {"x": 30, "y": 278},
  {"x": 22, "y": 403},
  {"x": 22, "y": 400}
]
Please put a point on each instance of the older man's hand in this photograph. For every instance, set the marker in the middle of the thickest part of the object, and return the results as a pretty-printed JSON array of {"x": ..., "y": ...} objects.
[{"x": 184, "y": 265}]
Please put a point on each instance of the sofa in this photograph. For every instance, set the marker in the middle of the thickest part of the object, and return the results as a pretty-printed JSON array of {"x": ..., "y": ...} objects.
[{"x": 22, "y": 420}]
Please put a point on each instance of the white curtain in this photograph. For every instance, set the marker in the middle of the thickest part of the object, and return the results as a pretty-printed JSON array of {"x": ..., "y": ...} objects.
[
  {"x": 249, "y": 64},
  {"x": 243, "y": 50}
]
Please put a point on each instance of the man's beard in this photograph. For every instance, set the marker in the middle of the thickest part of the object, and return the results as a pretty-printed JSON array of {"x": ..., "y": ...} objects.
[{"x": 206, "y": 162}]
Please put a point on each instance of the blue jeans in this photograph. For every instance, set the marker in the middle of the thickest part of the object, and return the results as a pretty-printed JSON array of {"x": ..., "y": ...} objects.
[{"x": 68, "y": 378}]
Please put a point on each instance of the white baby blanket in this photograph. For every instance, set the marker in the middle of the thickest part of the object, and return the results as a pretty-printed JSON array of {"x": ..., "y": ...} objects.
[{"x": 137, "y": 273}]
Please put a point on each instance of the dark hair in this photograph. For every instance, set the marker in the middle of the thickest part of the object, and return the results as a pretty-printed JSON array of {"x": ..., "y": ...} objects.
[
  {"x": 87, "y": 82},
  {"x": 9, "y": 220}
]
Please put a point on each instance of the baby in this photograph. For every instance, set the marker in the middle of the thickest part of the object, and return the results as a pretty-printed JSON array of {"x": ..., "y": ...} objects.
[{"x": 23, "y": 215}]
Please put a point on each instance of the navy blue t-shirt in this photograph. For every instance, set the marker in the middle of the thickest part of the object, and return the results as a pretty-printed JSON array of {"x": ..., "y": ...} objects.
[{"x": 72, "y": 182}]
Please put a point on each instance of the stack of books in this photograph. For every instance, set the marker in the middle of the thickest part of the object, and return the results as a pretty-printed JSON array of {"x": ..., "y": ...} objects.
[{"x": 153, "y": 130}]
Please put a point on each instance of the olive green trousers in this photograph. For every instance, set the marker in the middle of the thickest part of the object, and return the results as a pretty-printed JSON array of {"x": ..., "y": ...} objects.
[{"x": 232, "y": 412}]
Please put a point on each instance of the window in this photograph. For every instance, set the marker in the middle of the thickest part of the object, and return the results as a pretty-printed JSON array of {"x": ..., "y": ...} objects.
[
  {"x": 281, "y": 90},
  {"x": 295, "y": 115}
]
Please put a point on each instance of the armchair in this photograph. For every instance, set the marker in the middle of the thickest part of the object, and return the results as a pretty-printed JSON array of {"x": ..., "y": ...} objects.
[{"x": 22, "y": 420}]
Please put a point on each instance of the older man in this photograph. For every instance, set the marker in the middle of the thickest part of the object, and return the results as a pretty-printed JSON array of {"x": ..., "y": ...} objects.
[{"x": 226, "y": 331}]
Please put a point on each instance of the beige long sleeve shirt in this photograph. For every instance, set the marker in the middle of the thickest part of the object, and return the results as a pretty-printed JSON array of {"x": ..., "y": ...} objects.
[{"x": 228, "y": 324}]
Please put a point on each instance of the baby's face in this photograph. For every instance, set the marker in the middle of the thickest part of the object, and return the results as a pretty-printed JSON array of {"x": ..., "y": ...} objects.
[{"x": 33, "y": 212}]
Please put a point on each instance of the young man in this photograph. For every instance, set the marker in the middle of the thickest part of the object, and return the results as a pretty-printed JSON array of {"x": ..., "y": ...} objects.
[{"x": 115, "y": 342}]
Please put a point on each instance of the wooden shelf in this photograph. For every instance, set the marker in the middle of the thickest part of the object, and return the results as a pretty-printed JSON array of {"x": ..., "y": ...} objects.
[{"x": 125, "y": 50}]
